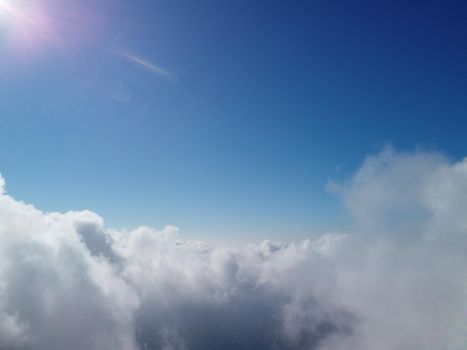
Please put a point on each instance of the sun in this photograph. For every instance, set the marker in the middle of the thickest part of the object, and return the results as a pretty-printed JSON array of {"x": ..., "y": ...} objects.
[
  {"x": 27, "y": 23},
  {"x": 11, "y": 8},
  {"x": 13, "y": 13},
  {"x": 44, "y": 27},
  {"x": 6, "y": 8}
]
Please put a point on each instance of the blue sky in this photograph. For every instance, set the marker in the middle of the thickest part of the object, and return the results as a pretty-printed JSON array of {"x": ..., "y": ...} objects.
[{"x": 225, "y": 118}]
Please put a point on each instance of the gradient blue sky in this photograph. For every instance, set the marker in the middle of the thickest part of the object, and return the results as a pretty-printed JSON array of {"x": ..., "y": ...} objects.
[{"x": 226, "y": 118}]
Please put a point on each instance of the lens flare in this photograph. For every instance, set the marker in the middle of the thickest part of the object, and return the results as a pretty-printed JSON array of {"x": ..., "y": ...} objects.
[
  {"x": 144, "y": 63},
  {"x": 8, "y": 13},
  {"x": 25, "y": 25},
  {"x": 47, "y": 27}
]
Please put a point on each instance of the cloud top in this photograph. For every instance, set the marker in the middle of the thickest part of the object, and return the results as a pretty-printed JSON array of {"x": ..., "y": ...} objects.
[{"x": 396, "y": 280}]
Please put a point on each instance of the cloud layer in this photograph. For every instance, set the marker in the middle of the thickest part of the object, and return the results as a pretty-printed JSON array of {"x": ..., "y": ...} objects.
[{"x": 396, "y": 280}]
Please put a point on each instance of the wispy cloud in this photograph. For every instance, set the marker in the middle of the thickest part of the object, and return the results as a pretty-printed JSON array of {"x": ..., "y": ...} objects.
[{"x": 145, "y": 63}]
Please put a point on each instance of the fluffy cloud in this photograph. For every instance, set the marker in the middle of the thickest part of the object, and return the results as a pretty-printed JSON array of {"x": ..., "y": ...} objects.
[{"x": 396, "y": 280}]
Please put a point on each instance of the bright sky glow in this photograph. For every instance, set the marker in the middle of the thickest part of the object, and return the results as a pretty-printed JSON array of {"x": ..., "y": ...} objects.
[
  {"x": 6, "y": 8},
  {"x": 22, "y": 15},
  {"x": 28, "y": 26}
]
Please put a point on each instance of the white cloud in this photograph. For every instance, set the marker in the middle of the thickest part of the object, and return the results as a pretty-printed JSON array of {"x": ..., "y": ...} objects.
[
  {"x": 55, "y": 294},
  {"x": 397, "y": 280}
]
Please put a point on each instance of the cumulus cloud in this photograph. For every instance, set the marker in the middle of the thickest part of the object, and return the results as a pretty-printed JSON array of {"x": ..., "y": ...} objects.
[{"x": 396, "y": 280}]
